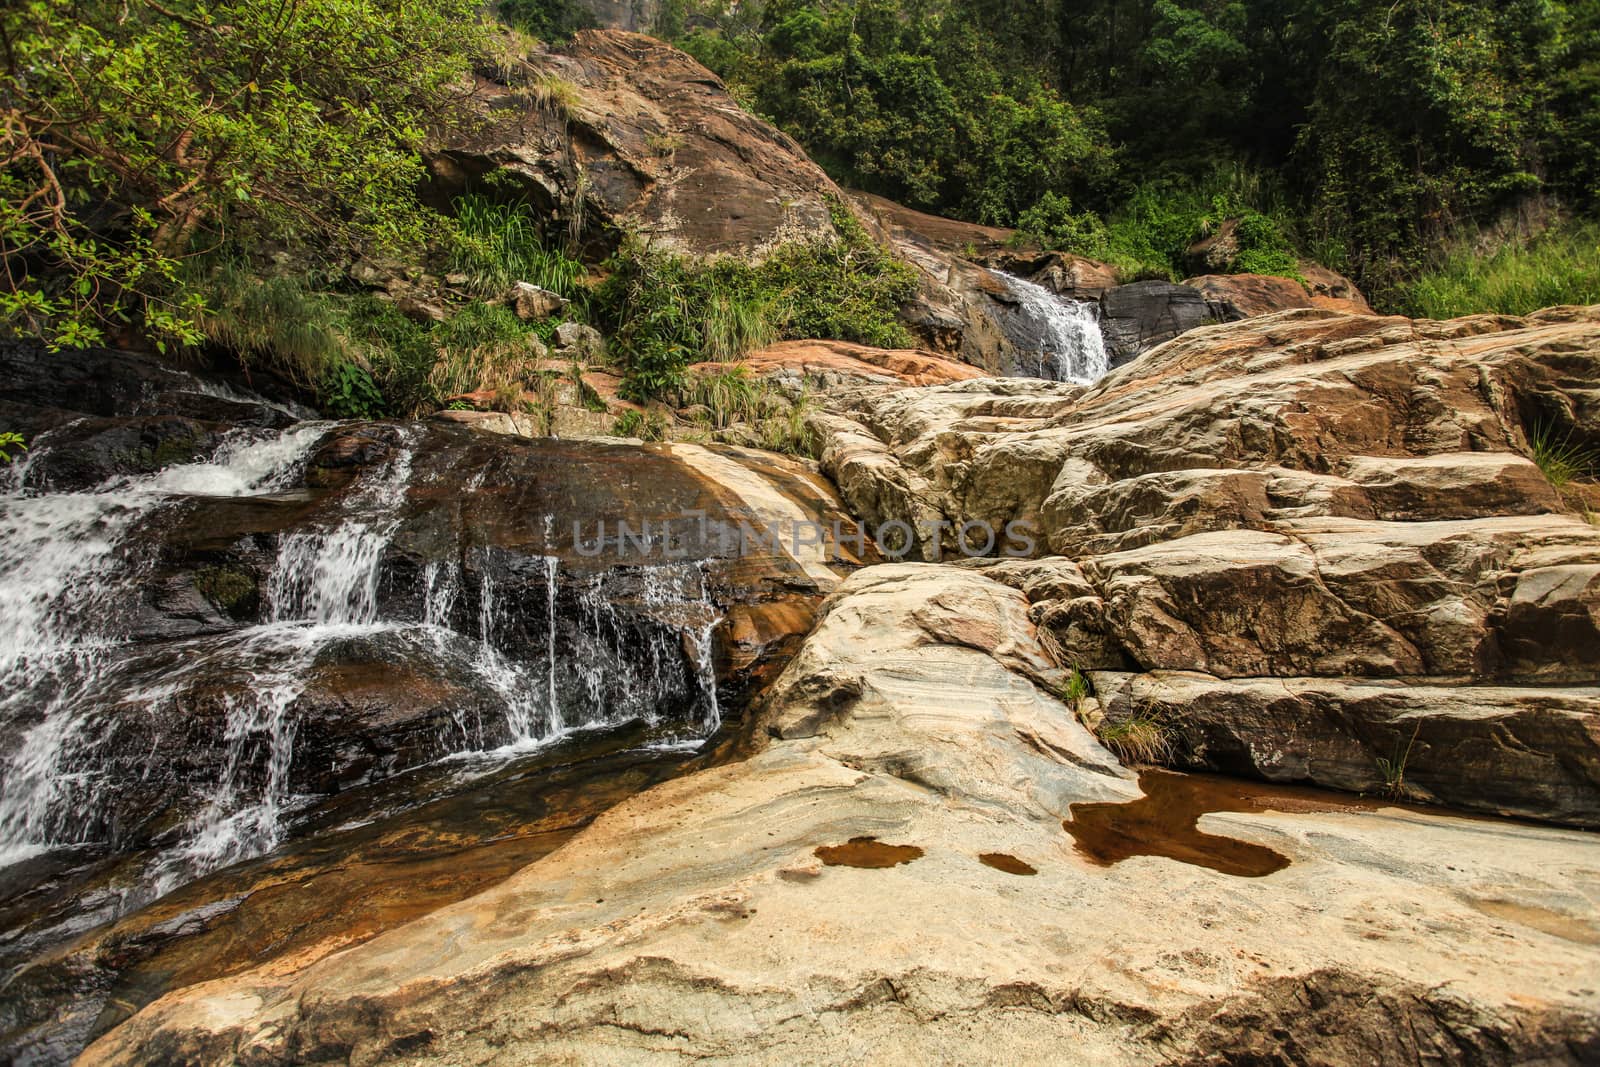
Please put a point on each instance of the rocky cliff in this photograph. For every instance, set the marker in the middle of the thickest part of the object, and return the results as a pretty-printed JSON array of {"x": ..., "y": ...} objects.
[{"x": 1312, "y": 546}]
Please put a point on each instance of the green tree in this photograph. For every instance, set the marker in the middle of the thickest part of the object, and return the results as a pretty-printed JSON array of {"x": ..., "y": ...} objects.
[
  {"x": 136, "y": 133},
  {"x": 1427, "y": 115}
]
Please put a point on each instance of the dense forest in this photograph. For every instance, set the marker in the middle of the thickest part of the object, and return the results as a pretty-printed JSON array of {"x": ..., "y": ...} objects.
[
  {"x": 193, "y": 174},
  {"x": 1367, "y": 134}
]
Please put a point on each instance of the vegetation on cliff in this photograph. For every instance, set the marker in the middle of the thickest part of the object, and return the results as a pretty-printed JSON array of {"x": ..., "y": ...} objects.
[
  {"x": 191, "y": 174},
  {"x": 138, "y": 134},
  {"x": 665, "y": 312},
  {"x": 1368, "y": 132}
]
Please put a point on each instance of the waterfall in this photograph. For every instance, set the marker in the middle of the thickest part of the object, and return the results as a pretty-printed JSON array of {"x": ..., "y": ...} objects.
[
  {"x": 65, "y": 581},
  {"x": 1063, "y": 335},
  {"x": 543, "y": 653},
  {"x": 323, "y": 587}
]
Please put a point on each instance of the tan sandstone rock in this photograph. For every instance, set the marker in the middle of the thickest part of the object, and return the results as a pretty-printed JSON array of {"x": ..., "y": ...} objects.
[
  {"x": 702, "y": 918},
  {"x": 1306, "y": 494}
]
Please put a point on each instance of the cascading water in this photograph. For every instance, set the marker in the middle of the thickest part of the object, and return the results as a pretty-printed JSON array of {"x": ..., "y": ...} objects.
[
  {"x": 551, "y": 653},
  {"x": 64, "y": 580},
  {"x": 323, "y": 587},
  {"x": 1063, "y": 335}
]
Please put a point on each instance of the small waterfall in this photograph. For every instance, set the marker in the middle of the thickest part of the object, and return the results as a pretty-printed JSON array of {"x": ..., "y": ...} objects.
[
  {"x": 616, "y": 652},
  {"x": 331, "y": 578},
  {"x": 323, "y": 587},
  {"x": 542, "y": 651},
  {"x": 65, "y": 581},
  {"x": 1063, "y": 335}
]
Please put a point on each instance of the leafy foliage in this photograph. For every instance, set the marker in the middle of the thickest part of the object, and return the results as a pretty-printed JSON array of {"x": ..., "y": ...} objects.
[
  {"x": 11, "y": 441},
  {"x": 1559, "y": 267},
  {"x": 548, "y": 20},
  {"x": 651, "y": 426},
  {"x": 666, "y": 312},
  {"x": 349, "y": 392},
  {"x": 134, "y": 133},
  {"x": 1100, "y": 126}
]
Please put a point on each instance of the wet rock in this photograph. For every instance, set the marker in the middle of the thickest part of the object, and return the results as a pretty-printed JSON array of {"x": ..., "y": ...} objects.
[
  {"x": 87, "y": 452},
  {"x": 1136, "y": 318},
  {"x": 107, "y": 382}
]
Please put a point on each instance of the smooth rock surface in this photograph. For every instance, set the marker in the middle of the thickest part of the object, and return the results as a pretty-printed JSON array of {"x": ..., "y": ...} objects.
[{"x": 703, "y": 917}]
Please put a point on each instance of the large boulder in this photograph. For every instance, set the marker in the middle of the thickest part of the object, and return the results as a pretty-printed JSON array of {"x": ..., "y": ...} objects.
[
  {"x": 1140, "y": 316},
  {"x": 1322, "y": 500},
  {"x": 635, "y": 135},
  {"x": 1243, "y": 296},
  {"x": 908, "y": 869}
]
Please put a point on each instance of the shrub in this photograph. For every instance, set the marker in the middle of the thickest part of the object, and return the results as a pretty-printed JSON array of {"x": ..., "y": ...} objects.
[
  {"x": 399, "y": 353},
  {"x": 481, "y": 347},
  {"x": 646, "y": 426},
  {"x": 1263, "y": 249},
  {"x": 1560, "y": 457},
  {"x": 348, "y": 392},
  {"x": 1052, "y": 224},
  {"x": 278, "y": 322},
  {"x": 736, "y": 324},
  {"x": 1140, "y": 738},
  {"x": 731, "y": 396},
  {"x": 10, "y": 441},
  {"x": 136, "y": 134},
  {"x": 666, "y": 312},
  {"x": 788, "y": 431}
]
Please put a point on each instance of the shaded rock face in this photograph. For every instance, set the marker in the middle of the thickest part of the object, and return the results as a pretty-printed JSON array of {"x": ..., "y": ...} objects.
[
  {"x": 917, "y": 728},
  {"x": 652, "y": 143},
  {"x": 1138, "y": 317},
  {"x": 636, "y": 16},
  {"x": 118, "y": 413},
  {"x": 1311, "y": 544}
]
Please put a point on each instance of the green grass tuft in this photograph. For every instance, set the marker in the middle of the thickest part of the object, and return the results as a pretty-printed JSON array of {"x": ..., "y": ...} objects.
[
  {"x": 1140, "y": 738},
  {"x": 498, "y": 245},
  {"x": 1562, "y": 266},
  {"x": 1562, "y": 459}
]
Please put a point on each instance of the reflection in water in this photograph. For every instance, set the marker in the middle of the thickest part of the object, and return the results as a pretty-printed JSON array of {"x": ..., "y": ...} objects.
[{"x": 1000, "y": 861}]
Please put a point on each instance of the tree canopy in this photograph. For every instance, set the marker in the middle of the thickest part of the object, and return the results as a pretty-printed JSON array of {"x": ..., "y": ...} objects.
[{"x": 137, "y": 133}]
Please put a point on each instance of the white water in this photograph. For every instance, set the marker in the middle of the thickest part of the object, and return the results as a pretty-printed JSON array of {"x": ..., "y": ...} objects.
[
  {"x": 64, "y": 583},
  {"x": 629, "y": 644},
  {"x": 1063, "y": 335}
]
